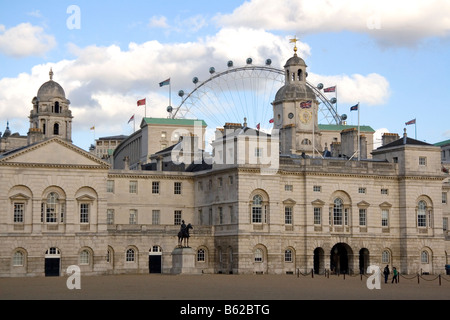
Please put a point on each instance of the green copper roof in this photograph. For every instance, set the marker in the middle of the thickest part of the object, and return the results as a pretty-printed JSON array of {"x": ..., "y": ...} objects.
[
  {"x": 442, "y": 143},
  {"x": 169, "y": 121},
  {"x": 340, "y": 127}
]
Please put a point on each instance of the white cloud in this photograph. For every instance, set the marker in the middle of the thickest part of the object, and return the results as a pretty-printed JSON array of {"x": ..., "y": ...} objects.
[
  {"x": 104, "y": 83},
  {"x": 158, "y": 22},
  {"x": 393, "y": 23},
  {"x": 25, "y": 40},
  {"x": 372, "y": 89}
]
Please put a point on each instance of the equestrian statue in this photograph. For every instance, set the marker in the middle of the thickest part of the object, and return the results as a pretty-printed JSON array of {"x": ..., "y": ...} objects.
[{"x": 183, "y": 234}]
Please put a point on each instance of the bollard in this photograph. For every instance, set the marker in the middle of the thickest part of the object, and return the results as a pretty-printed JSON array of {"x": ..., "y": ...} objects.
[
  {"x": 418, "y": 281},
  {"x": 312, "y": 273},
  {"x": 439, "y": 279}
]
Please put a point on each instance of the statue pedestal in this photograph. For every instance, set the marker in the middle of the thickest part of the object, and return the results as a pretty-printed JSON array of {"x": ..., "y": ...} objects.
[{"x": 183, "y": 261}]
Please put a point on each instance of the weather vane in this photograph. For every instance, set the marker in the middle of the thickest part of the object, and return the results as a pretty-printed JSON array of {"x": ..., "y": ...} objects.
[{"x": 294, "y": 40}]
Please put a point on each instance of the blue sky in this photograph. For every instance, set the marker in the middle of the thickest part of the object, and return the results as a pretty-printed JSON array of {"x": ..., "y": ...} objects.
[{"x": 391, "y": 56}]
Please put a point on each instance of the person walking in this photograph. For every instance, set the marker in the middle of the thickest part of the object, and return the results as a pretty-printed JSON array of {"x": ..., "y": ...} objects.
[
  {"x": 395, "y": 277},
  {"x": 386, "y": 273}
]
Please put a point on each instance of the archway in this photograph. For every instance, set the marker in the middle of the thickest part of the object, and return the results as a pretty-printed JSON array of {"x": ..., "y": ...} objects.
[
  {"x": 339, "y": 258},
  {"x": 364, "y": 260},
  {"x": 319, "y": 255}
]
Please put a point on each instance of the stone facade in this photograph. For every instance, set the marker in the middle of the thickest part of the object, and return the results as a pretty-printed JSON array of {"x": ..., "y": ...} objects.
[{"x": 62, "y": 206}]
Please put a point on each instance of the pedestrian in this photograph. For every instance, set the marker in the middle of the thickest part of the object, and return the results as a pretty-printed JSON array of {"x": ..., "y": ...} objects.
[
  {"x": 395, "y": 277},
  {"x": 386, "y": 273}
]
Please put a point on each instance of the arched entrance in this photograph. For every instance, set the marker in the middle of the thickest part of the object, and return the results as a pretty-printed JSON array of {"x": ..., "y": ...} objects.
[
  {"x": 52, "y": 262},
  {"x": 154, "y": 259},
  {"x": 339, "y": 258},
  {"x": 319, "y": 266},
  {"x": 364, "y": 260}
]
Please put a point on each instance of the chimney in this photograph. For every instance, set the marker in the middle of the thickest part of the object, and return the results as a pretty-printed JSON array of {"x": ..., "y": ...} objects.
[
  {"x": 404, "y": 136},
  {"x": 388, "y": 138}
]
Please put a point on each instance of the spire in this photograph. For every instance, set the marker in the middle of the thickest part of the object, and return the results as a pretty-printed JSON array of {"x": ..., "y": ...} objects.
[{"x": 51, "y": 74}]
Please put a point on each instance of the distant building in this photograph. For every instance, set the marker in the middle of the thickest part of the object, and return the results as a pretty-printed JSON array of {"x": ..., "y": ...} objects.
[{"x": 104, "y": 147}]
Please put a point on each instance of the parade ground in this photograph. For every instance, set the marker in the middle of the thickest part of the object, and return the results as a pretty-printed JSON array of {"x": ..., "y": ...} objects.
[{"x": 224, "y": 287}]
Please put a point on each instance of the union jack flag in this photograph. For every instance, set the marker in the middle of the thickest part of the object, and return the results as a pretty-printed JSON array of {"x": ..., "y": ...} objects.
[{"x": 305, "y": 104}]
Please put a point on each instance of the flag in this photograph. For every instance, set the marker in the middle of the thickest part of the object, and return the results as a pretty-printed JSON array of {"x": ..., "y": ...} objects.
[
  {"x": 258, "y": 126},
  {"x": 93, "y": 128},
  {"x": 141, "y": 102},
  {"x": 131, "y": 119},
  {"x": 413, "y": 121},
  {"x": 305, "y": 104},
  {"x": 355, "y": 107},
  {"x": 164, "y": 83},
  {"x": 330, "y": 89},
  {"x": 271, "y": 120}
]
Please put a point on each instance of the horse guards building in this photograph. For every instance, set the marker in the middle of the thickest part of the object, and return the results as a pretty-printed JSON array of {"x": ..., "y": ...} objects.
[{"x": 306, "y": 197}]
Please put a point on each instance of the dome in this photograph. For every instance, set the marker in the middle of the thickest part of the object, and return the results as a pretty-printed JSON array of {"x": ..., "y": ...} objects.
[
  {"x": 49, "y": 90},
  {"x": 295, "y": 92},
  {"x": 295, "y": 61}
]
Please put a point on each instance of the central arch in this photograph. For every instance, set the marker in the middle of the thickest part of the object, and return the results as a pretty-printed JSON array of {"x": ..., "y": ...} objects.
[{"x": 340, "y": 258}]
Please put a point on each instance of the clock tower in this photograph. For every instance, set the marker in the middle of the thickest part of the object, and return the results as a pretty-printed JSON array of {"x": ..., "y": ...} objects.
[{"x": 295, "y": 111}]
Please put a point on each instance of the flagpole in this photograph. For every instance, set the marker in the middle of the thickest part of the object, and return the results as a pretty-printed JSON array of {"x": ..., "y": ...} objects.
[
  {"x": 313, "y": 141},
  {"x": 145, "y": 108},
  {"x": 359, "y": 140},
  {"x": 170, "y": 92},
  {"x": 415, "y": 129}
]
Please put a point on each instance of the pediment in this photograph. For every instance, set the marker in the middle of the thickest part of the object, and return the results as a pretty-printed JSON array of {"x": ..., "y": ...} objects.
[
  {"x": 363, "y": 204},
  {"x": 385, "y": 205},
  {"x": 289, "y": 202},
  {"x": 318, "y": 203},
  {"x": 54, "y": 151},
  {"x": 19, "y": 197},
  {"x": 85, "y": 197}
]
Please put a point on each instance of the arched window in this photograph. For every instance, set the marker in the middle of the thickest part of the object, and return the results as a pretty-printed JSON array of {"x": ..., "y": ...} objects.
[
  {"x": 18, "y": 259},
  {"x": 299, "y": 75},
  {"x": 288, "y": 255},
  {"x": 201, "y": 255},
  {"x": 306, "y": 142},
  {"x": 56, "y": 129},
  {"x": 422, "y": 214},
  {"x": 57, "y": 110},
  {"x": 84, "y": 257},
  {"x": 257, "y": 209},
  {"x": 337, "y": 211},
  {"x": 52, "y": 208},
  {"x": 130, "y": 255},
  {"x": 258, "y": 255},
  {"x": 385, "y": 257},
  {"x": 424, "y": 257}
]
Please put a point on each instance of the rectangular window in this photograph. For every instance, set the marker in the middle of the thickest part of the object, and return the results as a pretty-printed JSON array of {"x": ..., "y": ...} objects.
[
  {"x": 445, "y": 224},
  {"x": 346, "y": 216},
  {"x": 288, "y": 187},
  {"x": 317, "y": 216},
  {"x": 288, "y": 215},
  {"x": 84, "y": 213},
  {"x": 220, "y": 215},
  {"x": 361, "y": 190},
  {"x": 258, "y": 152},
  {"x": 362, "y": 217},
  {"x": 317, "y": 188},
  {"x": 133, "y": 216},
  {"x": 230, "y": 179},
  {"x": 220, "y": 182},
  {"x": 133, "y": 187},
  {"x": 444, "y": 197},
  {"x": 421, "y": 218},
  {"x": 110, "y": 186},
  {"x": 19, "y": 210},
  {"x": 177, "y": 217},
  {"x": 110, "y": 216},
  {"x": 384, "y": 191},
  {"x": 385, "y": 218},
  {"x": 200, "y": 186},
  {"x": 257, "y": 214},
  {"x": 177, "y": 187},
  {"x": 163, "y": 134},
  {"x": 155, "y": 216},
  {"x": 422, "y": 161},
  {"x": 155, "y": 187},
  {"x": 337, "y": 216}
]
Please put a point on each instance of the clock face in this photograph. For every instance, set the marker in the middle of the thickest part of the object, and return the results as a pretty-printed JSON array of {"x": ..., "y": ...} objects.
[
  {"x": 305, "y": 116},
  {"x": 290, "y": 115}
]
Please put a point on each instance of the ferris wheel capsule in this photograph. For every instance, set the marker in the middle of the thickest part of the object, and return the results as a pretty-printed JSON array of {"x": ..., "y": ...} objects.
[
  {"x": 212, "y": 70},
  {"x": 320, "y": 86},
  {"x": 181, "y": 93},
  {"x": 195, "y": 80},
  {"x": 268, "y": 62},
  {"x": 249, "y": 60},
  {"x": 230, "y": 64}
]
